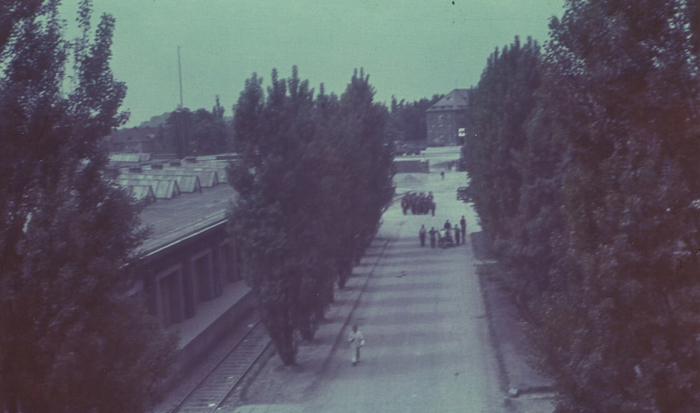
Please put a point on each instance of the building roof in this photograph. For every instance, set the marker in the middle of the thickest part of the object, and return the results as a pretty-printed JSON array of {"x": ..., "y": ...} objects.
[
  {"x": 188, "y": 214},
  {"x": 458, "y": 99},
  {"x": 143, "y": 193},
  {"x": 186, "y": 182},
  {"x": 132, "y": 135},
  {"x": 163, "y": 188},
  {"x": 179, "y": 213},
  {"x": 128, "y": 159},
  {"x": 208, "y": 177}
]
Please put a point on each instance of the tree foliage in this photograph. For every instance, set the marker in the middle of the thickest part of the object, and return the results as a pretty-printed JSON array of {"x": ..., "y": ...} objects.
[
  {"x": 605, "y": 205},
  {"x": 69, "y": 338},
  {"x": 197, "y": 133},
  {"x": 627, "y": 88},
  {"x": 500, "y": 105},
  {"x": 291, "y": 217},
  {"x": 494, "y": 155},
  {"x": 407, "y": 119}
]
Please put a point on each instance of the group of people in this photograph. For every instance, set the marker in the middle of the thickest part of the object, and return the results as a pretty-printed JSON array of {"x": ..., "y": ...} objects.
[
  {"x": 460, "y": 233},
  {"x": 418, "y": 203}
]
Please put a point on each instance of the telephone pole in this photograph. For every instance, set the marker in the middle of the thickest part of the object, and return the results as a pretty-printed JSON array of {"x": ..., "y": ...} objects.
[{"x": 179, "y": 71}]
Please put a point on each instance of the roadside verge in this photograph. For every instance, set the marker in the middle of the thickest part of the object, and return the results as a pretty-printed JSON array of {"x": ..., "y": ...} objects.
[{"x": 527, "y": 390}]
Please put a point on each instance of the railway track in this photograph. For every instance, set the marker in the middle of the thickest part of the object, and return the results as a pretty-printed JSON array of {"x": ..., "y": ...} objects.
[{"x": 214, "y": 388}]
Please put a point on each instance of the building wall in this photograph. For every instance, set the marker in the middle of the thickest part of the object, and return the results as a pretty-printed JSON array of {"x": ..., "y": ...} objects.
[
  {"x": 178, "y": 278},
  {"x": 411, "y": 166},
  {"x": 443, "y": 127}
]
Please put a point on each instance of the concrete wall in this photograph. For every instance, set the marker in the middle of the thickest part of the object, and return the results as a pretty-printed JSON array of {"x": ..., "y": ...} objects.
[
  {"x": 217, "y": 330},
  {"x": 188, "y": 276},
  {"x": 202, "y": 268},
  {"x": 411, "y": 166}
]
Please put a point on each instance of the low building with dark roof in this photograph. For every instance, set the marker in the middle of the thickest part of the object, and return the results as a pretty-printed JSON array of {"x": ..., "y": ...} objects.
[
  {"x": 446, "y": 120},
  {"x": 188, "y": 273}
]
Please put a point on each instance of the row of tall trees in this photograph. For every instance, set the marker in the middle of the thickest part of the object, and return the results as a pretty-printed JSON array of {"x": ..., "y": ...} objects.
[
  {"x": 70, "y": 341},
  {"x": 202, "y": 132},
  {"x": 583, "y": 167},
  {"x": 314, "y": 179},
  {"x": 188, "y": 133},
  {"x": 407, "y": 119}
]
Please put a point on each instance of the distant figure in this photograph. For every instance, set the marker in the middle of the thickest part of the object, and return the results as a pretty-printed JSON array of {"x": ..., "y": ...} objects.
[
  {"x": 457, "y": 232},
  {"x": 433, "y": 235},
  {"x": 463, "y": 224},
  {"x": 421, "y": 234},
  {"x": 447, "y": 225},
  {"x": 356, "y": 340},
  {"x": 442, "y": 174}
]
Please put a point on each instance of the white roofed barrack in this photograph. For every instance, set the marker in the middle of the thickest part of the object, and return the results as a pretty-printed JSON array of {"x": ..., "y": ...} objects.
[
  {"x": 143, "y": 193},
  {"x": 162, "y": 188}
]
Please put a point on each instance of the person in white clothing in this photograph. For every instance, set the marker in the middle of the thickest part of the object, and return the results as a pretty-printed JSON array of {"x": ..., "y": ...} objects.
[{"x": 356, "y": 340}]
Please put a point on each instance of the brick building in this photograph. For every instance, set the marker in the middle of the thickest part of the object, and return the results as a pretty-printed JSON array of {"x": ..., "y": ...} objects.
[
  {"x": 446, "y": 120},
  {"x": 132, "y": 140}
]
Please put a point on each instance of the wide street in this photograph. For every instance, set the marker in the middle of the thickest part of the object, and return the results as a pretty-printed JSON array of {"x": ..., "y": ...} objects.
[{"x": 422, "y": 314}]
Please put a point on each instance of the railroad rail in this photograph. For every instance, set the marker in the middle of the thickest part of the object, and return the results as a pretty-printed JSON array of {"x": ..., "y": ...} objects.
[{"x": 215, "y": 387}]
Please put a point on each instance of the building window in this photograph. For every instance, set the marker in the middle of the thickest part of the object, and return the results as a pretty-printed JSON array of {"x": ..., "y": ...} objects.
[
  {"x": 228, "y": 264},
  {"x": 202, "y": 278},
  {"x": 169, "y": 297}
]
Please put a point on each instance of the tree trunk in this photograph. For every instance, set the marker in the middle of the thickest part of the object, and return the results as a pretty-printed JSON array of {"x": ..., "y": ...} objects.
[
  {"x": 286, "y": 347},
  {"x": 281, "y": 330},
  {"x": 308, "y": 325},
  {"x": 342, "y": 279}
]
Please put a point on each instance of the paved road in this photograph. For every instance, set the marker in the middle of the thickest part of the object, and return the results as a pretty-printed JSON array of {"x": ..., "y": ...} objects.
[{"x": 422, "y": 314}]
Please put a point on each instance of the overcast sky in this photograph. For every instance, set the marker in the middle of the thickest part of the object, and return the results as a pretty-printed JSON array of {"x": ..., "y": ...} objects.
[{"x": 410, "y": 48}]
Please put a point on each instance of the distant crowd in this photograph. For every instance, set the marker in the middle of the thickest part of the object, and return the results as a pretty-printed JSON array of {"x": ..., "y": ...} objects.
[{"x": 444, "y": 237}]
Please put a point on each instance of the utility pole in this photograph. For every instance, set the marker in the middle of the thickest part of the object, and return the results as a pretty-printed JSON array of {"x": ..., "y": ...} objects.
[
  {"x": 180, "y": 131},
  {"x": 179, "y": 71}
]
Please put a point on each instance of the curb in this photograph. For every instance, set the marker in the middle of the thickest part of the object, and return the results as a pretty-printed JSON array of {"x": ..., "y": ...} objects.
[
  {"x": 512, "y": 394},
  {"x": 495, "y": 343}
]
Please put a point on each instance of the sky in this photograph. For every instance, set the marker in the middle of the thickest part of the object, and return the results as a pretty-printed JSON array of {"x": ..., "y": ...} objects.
[{"x": 411, "y": 49}]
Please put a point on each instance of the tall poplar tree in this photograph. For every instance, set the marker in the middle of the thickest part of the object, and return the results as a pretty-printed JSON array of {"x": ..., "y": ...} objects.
[
  {"x": 366, "y": 151},
  {"x": 70, "y": 341},
  {"x": 278, "y": 217},
  {"x": 313, "y": 180},
  {"x": 619, "y": 328}
]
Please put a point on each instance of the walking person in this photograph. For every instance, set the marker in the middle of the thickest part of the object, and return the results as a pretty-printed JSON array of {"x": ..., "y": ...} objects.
[
  {"x": 421, "y": 234},
  {"x": 433, "y": 235},
  {"x": 457, "y": 233},
  {"x": 356, "y": 340},
  {"x": 463, "y": 224}
]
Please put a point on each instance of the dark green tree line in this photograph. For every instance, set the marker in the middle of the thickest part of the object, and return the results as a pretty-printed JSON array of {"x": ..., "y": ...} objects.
[
  {"x": 501, "y": 106},
  {"x": 407, "y": 119},
  {"x": 70, "y": 341},
  {"x": 627, "y": 99},
  {"x": 606, "y": 209},
  {"x": 296, "y": 224},
  {"x": 188, "y": 133}
]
